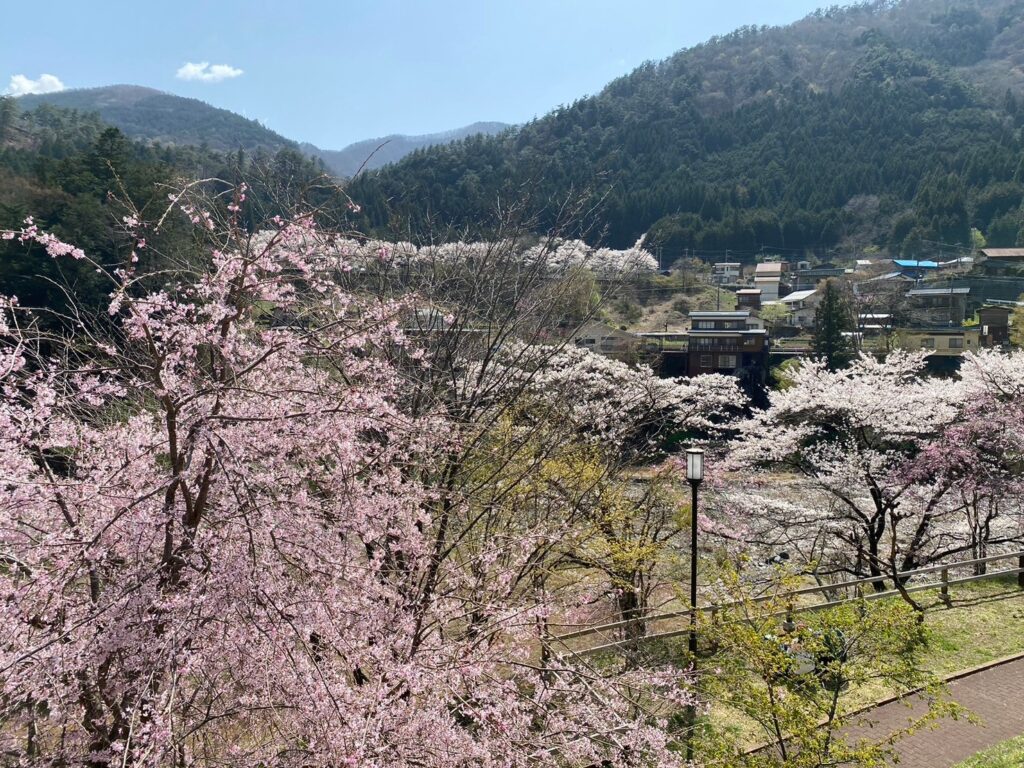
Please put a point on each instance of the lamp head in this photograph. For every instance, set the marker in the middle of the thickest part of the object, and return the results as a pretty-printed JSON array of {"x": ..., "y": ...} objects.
[{"x": 694, "y": 464}]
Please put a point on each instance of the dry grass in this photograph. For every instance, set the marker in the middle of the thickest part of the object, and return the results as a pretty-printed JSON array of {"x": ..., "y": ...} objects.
[{"x": 657, "y": 315}]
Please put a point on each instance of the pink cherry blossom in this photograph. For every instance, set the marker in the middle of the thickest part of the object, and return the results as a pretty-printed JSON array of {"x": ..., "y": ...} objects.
[{"x": 218, "y": 538}]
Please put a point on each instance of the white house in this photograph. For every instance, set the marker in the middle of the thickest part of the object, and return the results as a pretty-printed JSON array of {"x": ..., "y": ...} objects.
[
  {"x": 726, "y": 272},
  {"x": 767, "y": 276},
  {"x": 802, "y": 306}
]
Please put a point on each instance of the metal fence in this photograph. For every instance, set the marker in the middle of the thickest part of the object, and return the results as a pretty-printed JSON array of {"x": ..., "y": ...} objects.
[{"x": 862, "y": 589}]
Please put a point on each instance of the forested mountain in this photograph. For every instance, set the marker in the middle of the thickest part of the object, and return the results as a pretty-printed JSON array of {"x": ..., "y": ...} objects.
[
  {"x": 151, "y": 115},
  {"x": 886, "y": 124},
  {"x": 376, "y": 153},
  {"x": 72, "y": 173}
]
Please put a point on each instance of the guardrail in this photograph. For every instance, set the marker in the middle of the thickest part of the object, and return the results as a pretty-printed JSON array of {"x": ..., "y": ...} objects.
[{"x": 858, "y": 585}]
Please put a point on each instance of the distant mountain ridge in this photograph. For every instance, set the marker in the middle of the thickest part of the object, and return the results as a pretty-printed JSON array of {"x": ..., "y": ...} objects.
[
  {"x": 155, "y": 116},
  {"x": 376, "y": 153}
]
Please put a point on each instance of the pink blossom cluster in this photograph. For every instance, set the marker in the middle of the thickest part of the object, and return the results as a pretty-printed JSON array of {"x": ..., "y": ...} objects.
[
  {"x": 614, "y": 403},
  {"x": 219, "y": 537},
  {"x": 888, "y": 468},
  {"x": 30, "y": 233},
  {"x": 556, "y": 256}
]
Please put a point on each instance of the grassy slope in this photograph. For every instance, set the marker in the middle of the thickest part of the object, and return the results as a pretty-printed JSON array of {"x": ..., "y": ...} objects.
[
  {"x": 657, "y": 312},
  {"x": 1009, "y": 754},
  {"x": 985, "y": 623}
]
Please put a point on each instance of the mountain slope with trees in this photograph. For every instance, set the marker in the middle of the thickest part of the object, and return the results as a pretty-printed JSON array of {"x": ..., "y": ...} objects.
[
  {"x": 151, "y": 115},
  {"x": 72, "y": 174},
  {"x": 886, "y": 124}
]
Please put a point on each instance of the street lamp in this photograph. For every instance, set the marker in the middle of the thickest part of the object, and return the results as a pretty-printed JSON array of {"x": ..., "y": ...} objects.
[{"x": 694, "y": 476}]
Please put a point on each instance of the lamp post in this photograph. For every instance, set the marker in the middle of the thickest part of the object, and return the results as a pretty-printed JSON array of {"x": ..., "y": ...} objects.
[{"x": 694, "y": 476}]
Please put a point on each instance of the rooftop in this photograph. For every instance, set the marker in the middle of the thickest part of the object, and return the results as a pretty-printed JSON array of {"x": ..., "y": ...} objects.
[
  {"x": 727, "y": 332},
  {"x": 748, "y": 292},
  {"x": 939, "y": 292},
  {"x": 1001, "y": 304},
  {"x": 943, "y": 329},
  {"x": 1003, "y": 253},
  {"x": 796, "y": 296},
  {"x": 742, "y": 314},
  {"x": 914, "y": 264},
  {"x": 887, "y": 276}
]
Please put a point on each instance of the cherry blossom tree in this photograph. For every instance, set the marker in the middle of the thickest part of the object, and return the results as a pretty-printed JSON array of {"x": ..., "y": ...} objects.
[
  {"x": 981, "y": 457},
  {"x": 228, "y": 536},
  {"x": 549, "y": 434},
  {"x": 893, "y": 469},
  {"x": 557, "y": 255},
  {"x": 612, "y": 418},
  {"x": 615, "y": 404},
  {"x": 848, "y": 435}
]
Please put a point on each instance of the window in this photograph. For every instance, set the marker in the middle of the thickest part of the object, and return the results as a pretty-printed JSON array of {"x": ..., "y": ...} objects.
[
  {"x": 727, "y": 361},
  {"x": 706, "y": 361},
  {"x": 956, "y": 343},
  {"x": 927, "y": 343},
  {"x": 706, "y": 325}
]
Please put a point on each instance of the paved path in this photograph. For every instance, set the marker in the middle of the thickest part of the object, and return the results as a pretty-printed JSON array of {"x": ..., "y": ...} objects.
[{"x": 995, "y": 695}]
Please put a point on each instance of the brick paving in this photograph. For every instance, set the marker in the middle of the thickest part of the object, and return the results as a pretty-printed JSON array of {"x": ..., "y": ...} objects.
[{"x": 994, "y": 695}]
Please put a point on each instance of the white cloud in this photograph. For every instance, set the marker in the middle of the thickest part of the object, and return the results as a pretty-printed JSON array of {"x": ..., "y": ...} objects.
[
  {"x": 21, "y": 85},
  {"x": 205, "y": 72}
]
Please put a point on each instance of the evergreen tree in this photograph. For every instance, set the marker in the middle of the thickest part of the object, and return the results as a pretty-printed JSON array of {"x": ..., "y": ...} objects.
[
  {"x": 831, "y": 320},
  {"x": 8, "y": 109},
  {"x": 941, "y": 208}
]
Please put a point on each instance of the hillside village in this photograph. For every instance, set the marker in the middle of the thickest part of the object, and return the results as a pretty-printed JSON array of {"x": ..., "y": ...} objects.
[{"x": 765, "y": 313}]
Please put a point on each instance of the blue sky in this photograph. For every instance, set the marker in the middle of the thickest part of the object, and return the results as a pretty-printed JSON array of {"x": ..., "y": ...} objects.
[{"x": 336, "y": 71}]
